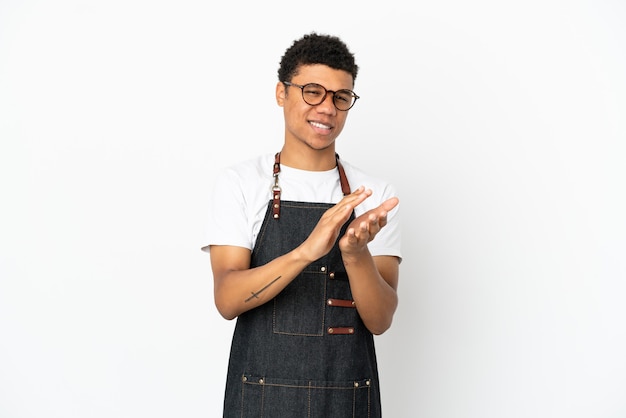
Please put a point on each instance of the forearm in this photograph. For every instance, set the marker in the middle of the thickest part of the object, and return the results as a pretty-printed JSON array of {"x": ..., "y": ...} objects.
[
  {"x": 375, "y": 297},
  {"x": 239, "y": 290}
]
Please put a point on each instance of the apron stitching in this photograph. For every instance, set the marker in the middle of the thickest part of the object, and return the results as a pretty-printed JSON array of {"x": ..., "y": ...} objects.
[{"x": 309, "y": 394}]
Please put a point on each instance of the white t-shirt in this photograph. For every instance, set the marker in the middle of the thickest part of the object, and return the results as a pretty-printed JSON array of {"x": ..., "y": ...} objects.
[{"x": 241, "y": 194}]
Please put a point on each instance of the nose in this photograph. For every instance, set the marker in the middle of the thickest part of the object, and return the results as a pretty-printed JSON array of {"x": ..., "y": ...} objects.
[{"x": 328, "y": 104}]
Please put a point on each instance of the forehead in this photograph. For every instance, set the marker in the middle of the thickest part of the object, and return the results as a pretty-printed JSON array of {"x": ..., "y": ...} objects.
[{"x": 322, "y": 74}]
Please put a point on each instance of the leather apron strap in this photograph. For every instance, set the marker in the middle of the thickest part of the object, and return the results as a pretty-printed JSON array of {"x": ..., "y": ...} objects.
[{"x": 276, "y": 190}]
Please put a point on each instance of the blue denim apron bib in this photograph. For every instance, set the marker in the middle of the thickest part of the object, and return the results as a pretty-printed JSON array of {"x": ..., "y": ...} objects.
[{"x": 306, "y": 353}]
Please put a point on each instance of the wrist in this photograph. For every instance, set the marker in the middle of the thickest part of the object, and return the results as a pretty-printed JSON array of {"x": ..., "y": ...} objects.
[{"x": 352, "y": 257}]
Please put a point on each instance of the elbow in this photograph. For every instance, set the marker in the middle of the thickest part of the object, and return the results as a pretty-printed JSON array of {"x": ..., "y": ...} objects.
[
  {"x": 379, "y": 322},
  {"x": 378, "y": 325},
  {"x": 228, "y": 315},
  {"x": 227, "y": 310},
  {"x": 379, "y": 329}
]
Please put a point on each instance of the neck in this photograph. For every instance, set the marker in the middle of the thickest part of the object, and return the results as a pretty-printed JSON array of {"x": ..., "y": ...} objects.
[{"x": 309, "y": 159}]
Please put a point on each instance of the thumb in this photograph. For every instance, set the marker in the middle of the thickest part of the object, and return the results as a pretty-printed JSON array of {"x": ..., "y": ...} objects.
[{"x": 390, "y": 203}]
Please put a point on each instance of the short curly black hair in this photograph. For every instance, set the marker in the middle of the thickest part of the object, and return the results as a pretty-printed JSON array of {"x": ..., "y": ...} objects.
[{"x": 314, "y": 48}]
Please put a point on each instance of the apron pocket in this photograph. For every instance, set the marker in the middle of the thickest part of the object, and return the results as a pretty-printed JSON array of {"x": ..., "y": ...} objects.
[
  {"x": 299, "y": 308},
  {"x": 262, "y": 396}
]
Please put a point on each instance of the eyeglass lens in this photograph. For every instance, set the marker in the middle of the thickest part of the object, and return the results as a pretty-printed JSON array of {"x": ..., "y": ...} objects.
[{"x": 314, "y": 94}]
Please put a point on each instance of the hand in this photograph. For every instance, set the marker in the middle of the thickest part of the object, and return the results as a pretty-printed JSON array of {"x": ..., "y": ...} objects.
[
  {"x": 363, "y": 229},
  {"x": 325, "y": 233}
]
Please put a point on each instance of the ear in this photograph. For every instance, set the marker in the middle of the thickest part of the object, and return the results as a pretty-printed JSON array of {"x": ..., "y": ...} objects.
[{"x": 280, "y": 94}]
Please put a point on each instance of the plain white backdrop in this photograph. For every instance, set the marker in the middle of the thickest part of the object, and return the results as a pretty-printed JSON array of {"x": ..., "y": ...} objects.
[{"x": 501, "y": 123}]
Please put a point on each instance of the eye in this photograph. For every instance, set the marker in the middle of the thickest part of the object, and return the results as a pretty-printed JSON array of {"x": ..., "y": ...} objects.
[
  {"x": 313, "y": 90},
  {"x": 344, "y": 96}
]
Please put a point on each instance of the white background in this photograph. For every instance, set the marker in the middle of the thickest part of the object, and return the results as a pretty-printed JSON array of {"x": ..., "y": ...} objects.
[{"x": 501, "y": 123}]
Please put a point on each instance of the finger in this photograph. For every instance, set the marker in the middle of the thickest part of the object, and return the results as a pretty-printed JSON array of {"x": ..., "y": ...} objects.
[
  {"x": 352, "y": 238},
  {"x": 357, "y": 196},
  {"x": 350, "y": 201},
  {"x": 374, "y": 227},
  {"x": 364, "y": 232},
  {"x": 382, "y": 219},
  {"x": 390, "y": 203}
]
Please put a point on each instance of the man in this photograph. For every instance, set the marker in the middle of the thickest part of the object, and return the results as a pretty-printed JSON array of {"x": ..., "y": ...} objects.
[{"x": 308, "y": 266}]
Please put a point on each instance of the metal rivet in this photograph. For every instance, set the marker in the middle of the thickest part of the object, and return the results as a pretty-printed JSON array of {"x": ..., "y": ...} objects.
[
  {"x": 330, "y": 330},
  {"x": 351, "y": 330},
  {"x": 330, "y": 302},
  {"x": 356, "y": 384},
  {"x": 275, "y": 196},
  {"x": 275, "y": 205},
  {"x": 367, "y": 382},
  {"x": 276, "y": 216},
  {"x": 332, "y": 275},
  {"x": 261, "y": 381},
  {"x": 323, "y": 269},
  {"x": 244, "y": 379}
]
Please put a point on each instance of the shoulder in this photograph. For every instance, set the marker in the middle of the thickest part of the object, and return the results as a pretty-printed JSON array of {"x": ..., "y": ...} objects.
[
  {"x": 246, "y": 170},
  {"x": 246, "y": 175},
  {"x": 246, "y": 182}
]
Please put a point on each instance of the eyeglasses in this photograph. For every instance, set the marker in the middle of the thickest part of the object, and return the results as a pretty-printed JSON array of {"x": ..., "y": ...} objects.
[{"x": 314, "y": 94}]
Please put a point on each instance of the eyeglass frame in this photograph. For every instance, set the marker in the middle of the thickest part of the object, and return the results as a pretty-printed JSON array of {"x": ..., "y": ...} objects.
[{"x": 301, "y": 87}]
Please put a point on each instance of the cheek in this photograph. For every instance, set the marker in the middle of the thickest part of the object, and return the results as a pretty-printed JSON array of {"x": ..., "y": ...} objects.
[{"x": 340, "y": 123}]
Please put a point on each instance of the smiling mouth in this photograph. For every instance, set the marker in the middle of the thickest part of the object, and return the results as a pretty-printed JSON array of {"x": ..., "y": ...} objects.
[{"x": 320, "y": 125}]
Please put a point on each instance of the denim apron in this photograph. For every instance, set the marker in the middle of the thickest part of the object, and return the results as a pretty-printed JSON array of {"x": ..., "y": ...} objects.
[{"x": 306, "y": 353}]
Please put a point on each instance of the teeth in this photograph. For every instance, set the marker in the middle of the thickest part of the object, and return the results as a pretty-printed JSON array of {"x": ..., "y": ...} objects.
[{"x": 320, "y": 125}]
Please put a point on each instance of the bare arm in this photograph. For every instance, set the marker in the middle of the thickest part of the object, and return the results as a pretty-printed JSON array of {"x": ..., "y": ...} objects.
[
  {"x": 373, "y": 280},
  {"x": 238, "y": 288}
]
